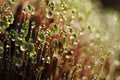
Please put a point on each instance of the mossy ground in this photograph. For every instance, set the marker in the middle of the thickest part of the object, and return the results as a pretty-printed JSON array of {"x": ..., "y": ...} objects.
[{"x": 58, "y": 40}]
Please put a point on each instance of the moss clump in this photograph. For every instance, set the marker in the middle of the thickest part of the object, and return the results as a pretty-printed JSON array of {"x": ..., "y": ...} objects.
[
  {"x": 56, "y": 40},
  {"x": 34, "y": 42}
]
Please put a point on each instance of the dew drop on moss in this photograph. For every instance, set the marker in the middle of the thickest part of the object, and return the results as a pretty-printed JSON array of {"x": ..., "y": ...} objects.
[
  {"x": 97, "y": 35},
  {"x": 7, "y": 46},
  {"x": 89, "y": 67},
  {"x": 22, "y": 48},
  {"x": 75, "y": 43},
  {"x": 84, "y": 78},
  {"x": 18, "y": 24},
  {"x": 22, "y": 30},
  {"x": 67, "y": 56},
  {"x": 32, "y": 26},
  {"x": 49, "y": 15},
  {"x": 43, "y": 59},
  {"x": 71, "y": 37},
  {"x": 81, "y": 33},
  {"x": 13, "y": 39}
]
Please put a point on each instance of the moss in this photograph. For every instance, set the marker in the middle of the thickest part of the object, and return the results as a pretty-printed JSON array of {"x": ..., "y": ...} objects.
[{"x": 58, "y": 40}]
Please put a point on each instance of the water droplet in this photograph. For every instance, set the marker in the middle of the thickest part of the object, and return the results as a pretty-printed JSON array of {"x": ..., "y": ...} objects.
[
  {"x": 32, "y": 27},
  {"x": 22, "y": 48},
  {"x": 64, "y": 11},
  {"x": 19, "y": 38},
  {"x": 39, "y": 39},
  {"x": 49, "y": 15},
  {"x": 47, "y": 47},
  {"x": 1, "y": 48},
  {"x": 9, "y": 36},
  {"x": 40, "y": 27},
  {"x": 91, "y": 44},
  {"x": 84, "y": 78},
  {"x": 61, "y": 19},
  {"x": 71, "y": 52},
  {"x": 18, "y": 24},
  {"x": 13, "y": 39},
  {"x": 75, "y": 43},
  {"x": 7, "y": 46},
  {"x": 43, "y": 59},
  {"x": 112, "y": 52},
  {"x": 89, "y": 67},
  {"x": 68, "y": 57},
  {"x": 65, "y": 51},
  {"x": 81, "y": 33},
  {"x": 71, "y": 37},
  {"x": 48, "y": 60},
  {"x": 116, "y": 62},
  {"x": 16, "y": 44},
  {"x": 93, "y": 56},
  {"x": 22, "y": 30},
  {"x": 73, "y": 17},
  {"x": 97, "y": 35}
]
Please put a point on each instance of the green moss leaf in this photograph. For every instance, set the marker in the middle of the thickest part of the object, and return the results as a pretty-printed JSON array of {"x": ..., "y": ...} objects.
[
  {"x": 25, "y": 28},
  {"x": 6, "y": 22},
  {"x": 31, "y": 50},
  {"x": 71, "y": 30},
  {"x": 1, "y": 24},
  {"x": 6, "y": 6},
  {"x": 14, "y": 34},
  {"x": 13, "y": 0},
  {"x": 75, "y": 36},
  {"x": 42, "y": 36},
  {"x": 64, "y": 31},
  {"x": 17, "y": 60},
  {"x": 52, "y": 5},
  {"x": 30, "y": 8},
  {"x": 79, "y": 66},
  {"x": 56, "y": 45},
  {"x": 64, "y": 42},
  {"x": 11, "y": 18},
  {"x": 30, "y": 47},
  {"x": 49, "y": 32},
  {"x": 56, "y": 28}
]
